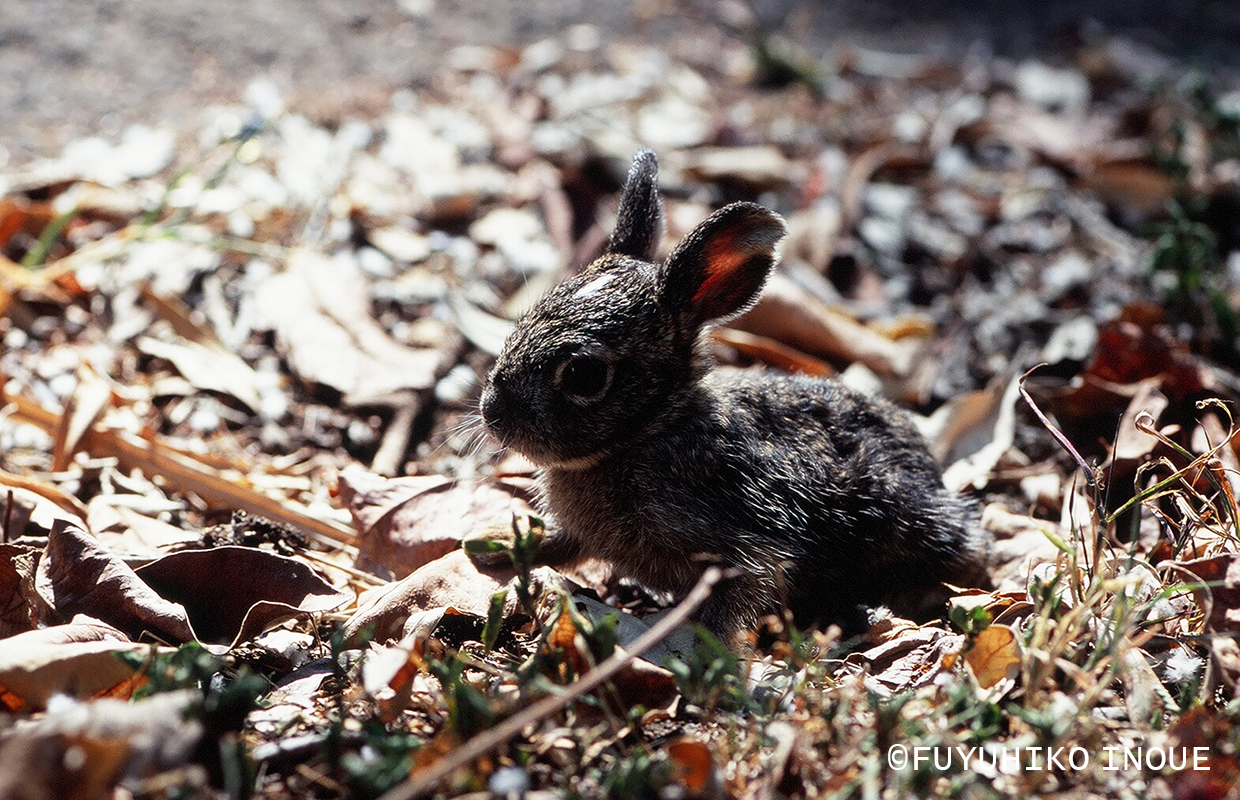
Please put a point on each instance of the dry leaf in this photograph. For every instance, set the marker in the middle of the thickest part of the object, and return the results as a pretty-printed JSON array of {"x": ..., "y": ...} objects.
[
  {"x": 86, "y": 406},
  {"x": 77, "y": 576},
  {"x": 789, "y": 314},
  {"x": 694, "y": 770},
  {"x": 994, "y": 659},
  {"x": 130, "y": 534},
  {"x": 1222, "y": 576},
  {"x": 404, "y": 523},
  {"x": 19, "y": 612},
  {"x": 320, "y": 311},
  {"x": 82, "y": 751},
  {"x": 908, "y": 661},
  {"x": 33, "y": 669},
  {"x": 451, "y": 581},
  {"x": 210, "y": 369},
  {"x": 232, "y": 594}
]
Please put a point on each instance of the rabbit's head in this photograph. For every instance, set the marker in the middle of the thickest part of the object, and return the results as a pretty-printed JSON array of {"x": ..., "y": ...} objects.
[{"x": 598, "y": 358}]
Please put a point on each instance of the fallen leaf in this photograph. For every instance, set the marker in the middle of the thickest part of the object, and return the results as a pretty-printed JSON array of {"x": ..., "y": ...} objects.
[
  {"x": 319, "y": 310},
  {"x": 34, "y": 668},
  {"x": 19, "y": 611},
  {"x": 911, "y": 660},
  {"x": 82, "y": 751},
  {"x": 453, "y": 581},
  {"x": 77, "y": 576},
  {"x": 404, "y": 523},
  {"x": 90, "y": 399},
  {"x": 210, "y": 369},
  {"x": 131, "y": 534},
  {"x": 1221, "y": 594},
  {"x": 232, "y": 594},
  {"x": 994, "y": 659},
  {"x": 694, "y": 769},
  {"x": 787, "y": 313}
]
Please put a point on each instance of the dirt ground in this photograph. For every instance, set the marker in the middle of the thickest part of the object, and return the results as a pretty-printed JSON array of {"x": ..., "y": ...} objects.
[{"x": 69, "y": 68}]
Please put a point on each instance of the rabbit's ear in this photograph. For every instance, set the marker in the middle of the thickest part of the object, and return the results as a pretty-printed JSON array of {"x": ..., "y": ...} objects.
[
  {"x": 640, "y": 221},
  {"x": 719, "y": 269}
]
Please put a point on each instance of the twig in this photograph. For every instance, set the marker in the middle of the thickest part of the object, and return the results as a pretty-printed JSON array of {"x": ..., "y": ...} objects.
[
  {"x": 426, "y": 780},
  {"x": 1091, "y": 478},
  {"x": 187, "y": 474}
]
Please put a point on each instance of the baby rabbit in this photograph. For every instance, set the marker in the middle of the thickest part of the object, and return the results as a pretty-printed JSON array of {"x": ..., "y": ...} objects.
[{"x": 651, "y": 460}]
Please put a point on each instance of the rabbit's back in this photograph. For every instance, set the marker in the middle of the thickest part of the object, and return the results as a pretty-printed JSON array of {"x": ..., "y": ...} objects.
[{"x": 817, "y": 494}]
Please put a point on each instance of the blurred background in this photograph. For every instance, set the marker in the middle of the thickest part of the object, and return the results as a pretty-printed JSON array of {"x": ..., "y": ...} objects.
[{"x": 74, "y": 67}]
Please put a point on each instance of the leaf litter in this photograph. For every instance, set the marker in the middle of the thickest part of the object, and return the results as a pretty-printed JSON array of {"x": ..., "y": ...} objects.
[{"x": 240, "y": 451}]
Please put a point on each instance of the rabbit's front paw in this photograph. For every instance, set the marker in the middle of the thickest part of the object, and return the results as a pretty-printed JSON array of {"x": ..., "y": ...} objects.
[{"x": 491, "y": 546}]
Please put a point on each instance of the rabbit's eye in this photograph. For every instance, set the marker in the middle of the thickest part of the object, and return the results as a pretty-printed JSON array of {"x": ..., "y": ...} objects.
[{"x": 583, "y": 377}]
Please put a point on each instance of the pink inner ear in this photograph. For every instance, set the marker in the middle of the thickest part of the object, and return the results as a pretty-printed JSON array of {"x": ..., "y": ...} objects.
[{"x": 722, "y": 258}]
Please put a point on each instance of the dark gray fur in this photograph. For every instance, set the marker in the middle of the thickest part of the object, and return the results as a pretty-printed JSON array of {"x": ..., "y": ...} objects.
[{"x": 816, "y": 495}]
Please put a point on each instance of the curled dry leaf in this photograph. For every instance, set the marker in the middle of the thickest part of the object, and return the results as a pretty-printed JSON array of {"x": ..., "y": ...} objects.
[
  {"x": 20, "y": 608},
  {"x": 77, "y": 576},
  {"x": 451, "y": 581},
  {"x": 81, "y": 751},
  {"x": 131, "y": 535},
  {"x": 908, "y": 661},
  {"x": 33, "y": 669},
  {"x": 694, "y": 769},
  {"x": 209, "y": 368},
  {"x": 973, "y": 431},
  {"x": 1221, "y": 593},
  {"x": 994, "y": 659},
  {"x": 1020, "y": 543},
  {"x": 85, "y": 407},
  {"x": 319, "y": 309},
  {"x": 1145, "y": 697},
  {"x": 404, "y": 523},
  {"x": 29, "y": 507},
  {"x": 232, "y": 594},
  {"x": 189, "y": 473},
  {"x": 789, "y": 314}
]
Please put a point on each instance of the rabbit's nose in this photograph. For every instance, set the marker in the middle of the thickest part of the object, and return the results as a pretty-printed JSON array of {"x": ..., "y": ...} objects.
[{"x": 492, "y": 405}]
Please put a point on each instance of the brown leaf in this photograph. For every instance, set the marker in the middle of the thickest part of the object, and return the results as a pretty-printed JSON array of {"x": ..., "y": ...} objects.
[
  {"x": 1137, "y": 188},
  {"x": 82, "y": 751},
  {"x": 769, "y": 351},
  {"x": 451, "y": 581},
  {"x": 789, "y": 314},
  {"x": 209, "y": 368},
  {"x": 90, "y": 399},
  {"x": 20, "y": 608},
  {"x": 130, "y": 534},
  {"x": 196, "y": 473},
  {"x": 77, "y": 576},
  {"x": 36, "y": 502},
  {"x": 1020, "y": 543},
  {"x": 1221, "y": 574},
  {"x": 232, "y": 594},
  {"x": 995, "y": 657},
  {"x": 404, "y": 523},
  {"x": 909, "y": 661},
  {"x": 1139, "y": 345},
  {"x": 34, "y": 667},
  {"x": 694, "y": 769},
  {"x": 320, "y": 311}
]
